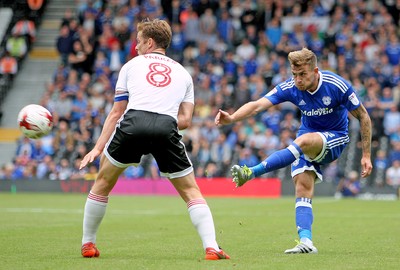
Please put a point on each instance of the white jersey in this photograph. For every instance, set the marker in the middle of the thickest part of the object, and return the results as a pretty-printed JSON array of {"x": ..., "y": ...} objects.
[{"x": 155, "y": 83}]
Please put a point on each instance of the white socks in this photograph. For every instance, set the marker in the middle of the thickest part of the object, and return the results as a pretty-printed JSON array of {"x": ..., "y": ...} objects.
[
  {"x": 95, "y": 209},
  {"x": 199, "y": 212},
  {"x": 202, "y": 220}
]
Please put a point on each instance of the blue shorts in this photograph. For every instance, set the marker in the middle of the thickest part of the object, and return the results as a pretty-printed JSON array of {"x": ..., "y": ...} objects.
[{"x": 333, "y": 146}]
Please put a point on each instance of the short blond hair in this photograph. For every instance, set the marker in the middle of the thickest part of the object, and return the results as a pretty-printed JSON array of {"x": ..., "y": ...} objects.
[
  {"x": 303, "y": 57},
  {"x": 159, "y": 30}
]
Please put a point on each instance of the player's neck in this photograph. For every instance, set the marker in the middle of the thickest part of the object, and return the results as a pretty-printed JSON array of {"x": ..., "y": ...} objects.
[
  {"x": 315, "y": 85},
  {"x": 159, "y": 51}
]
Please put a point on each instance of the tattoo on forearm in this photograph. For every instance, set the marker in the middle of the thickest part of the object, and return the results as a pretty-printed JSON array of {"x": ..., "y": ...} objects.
[{"x": 365, "y": 134}]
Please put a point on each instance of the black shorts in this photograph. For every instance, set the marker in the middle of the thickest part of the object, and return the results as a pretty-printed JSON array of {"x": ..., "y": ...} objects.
[{"x": 140, "y": 133}]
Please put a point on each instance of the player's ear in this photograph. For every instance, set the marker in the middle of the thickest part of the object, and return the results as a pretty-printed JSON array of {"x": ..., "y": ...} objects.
[
  {"x": 316, "y": 69},
  {"x": 151, "y": 43}
]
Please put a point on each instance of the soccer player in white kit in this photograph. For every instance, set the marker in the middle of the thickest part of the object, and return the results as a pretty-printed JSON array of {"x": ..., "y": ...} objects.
[
  {"x": 154, "y": 99},
  {"x": 324, "y": 99}
]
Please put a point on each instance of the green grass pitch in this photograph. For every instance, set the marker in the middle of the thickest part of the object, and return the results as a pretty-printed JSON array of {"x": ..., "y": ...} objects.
[{"x": 43, "y": 231}]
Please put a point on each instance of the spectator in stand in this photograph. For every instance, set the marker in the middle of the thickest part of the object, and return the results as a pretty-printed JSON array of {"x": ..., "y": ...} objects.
[
  {"x": 64, "y": 170},
  {"x": 391, "y": 120},
  {"x": 25, "y": 147},
  {"x": 192, "y": 27},
  {"x": 177, "y": 43},
  {"x": 173, "y": 10},
  {"x": 17, "y": 47},
  {"x": 221, "y": 153},
  {"x": 274, "y": 32},
  {"x": 230, "y": 67},
  {"x": 67, "y": 18},
  {"x": 19, "y": 166},
  {"x": 201, "y": 152},
  {"x": 26, "y": 28},
  {"x": 9, "y": 172},
  {"x": 43, "y": 167},
  {"x": 62, "y": 106},
  {"x": 63, "y": 137},
  {"x": 314, "y": 40},
  {"x": 242, "y": 92},
  {"x": 116, "y": 57},
  {"x": 39, "y": 151},
  {"x": 246, "y": 156},
  {"x": 78, "y": 58},
  {"x": 272, "y": 119},
  {"x": 134, "y": 172},
  {"x": 246, "y": 50},
  {"x": 225, "y": 27},
  {"x": 130, "y": 47},
  {"x": 208, "y": 27},
  {"x": 394, "y": 152},
  {"x": 333, "y": 173},
  {"x": 79, "y": 105},
  {"x": 386, "y": 101},
  {"x": 35, "y": 5},
  {"x": 272, "y": 143},
  {"x": 91, "y": 173},
  {"x": 393, "y": 175},
  {"x": 393, "y": 49},
  {"x": 76, "y": 173},
  {"x": 349, "y": 186},
  {"x": 64, "y": 44},
  {"x": 121, "y": 24},
  {"x": 71, "y": 86},
  {"x": 289, "y": 122},
  {"x": 381, "y": 165},
  {"x": 8, "y": 66}
]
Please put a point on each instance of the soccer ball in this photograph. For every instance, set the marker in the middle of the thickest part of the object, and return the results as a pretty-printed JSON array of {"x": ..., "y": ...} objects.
[{"x": 35, "y": 121}]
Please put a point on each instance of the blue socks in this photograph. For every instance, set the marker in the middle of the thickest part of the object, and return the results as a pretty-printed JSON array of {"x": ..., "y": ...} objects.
[
  {"x": 277, "y": 160},
  {"x": 304, "y": 217}
]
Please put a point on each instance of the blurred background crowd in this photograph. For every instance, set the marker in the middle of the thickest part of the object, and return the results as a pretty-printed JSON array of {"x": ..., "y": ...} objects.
[{"x": 236, "y": 51}]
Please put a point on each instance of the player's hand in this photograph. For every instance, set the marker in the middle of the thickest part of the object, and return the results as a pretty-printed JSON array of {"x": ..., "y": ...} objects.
[
  {"x": 366, "y": 167},
  {"x": 223, "y": 118},
  {"x": 92, "y": 155}
]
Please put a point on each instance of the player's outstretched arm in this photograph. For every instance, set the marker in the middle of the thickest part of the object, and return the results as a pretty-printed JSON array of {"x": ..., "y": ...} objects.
[
  {"x": 365, "y": 129},
  {"x": 108, "y": 128},
  {"x": 249, "y": 109}
]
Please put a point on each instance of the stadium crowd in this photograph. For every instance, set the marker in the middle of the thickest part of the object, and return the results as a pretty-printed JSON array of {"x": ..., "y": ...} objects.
[{"x": 236, "y": 51}]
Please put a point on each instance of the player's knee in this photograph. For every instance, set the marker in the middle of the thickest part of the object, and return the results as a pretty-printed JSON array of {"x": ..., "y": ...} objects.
[
  {"x": 310, "y": 143},
  {"x": 304, "y": 141},
  {"x": 103, "y": 186},
  {"x": 304, "y": 185}
]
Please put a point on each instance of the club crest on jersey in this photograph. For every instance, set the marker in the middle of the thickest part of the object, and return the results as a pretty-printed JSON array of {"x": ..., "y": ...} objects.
[
  {"x": 296, "y": 162},
  {"x": 326, "y": 100}
]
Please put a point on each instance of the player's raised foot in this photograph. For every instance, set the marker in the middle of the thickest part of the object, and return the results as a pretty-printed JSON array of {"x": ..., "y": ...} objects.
[
  {"x": 241, "y": 174},
  {"x": 302, "y": 247},
  {"x": 212, "y": 254},
  {"x": 89, "y": 250}
]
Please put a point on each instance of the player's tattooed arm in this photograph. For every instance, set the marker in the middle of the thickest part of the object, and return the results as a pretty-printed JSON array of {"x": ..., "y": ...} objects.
[{"x": 365, "y": 129}]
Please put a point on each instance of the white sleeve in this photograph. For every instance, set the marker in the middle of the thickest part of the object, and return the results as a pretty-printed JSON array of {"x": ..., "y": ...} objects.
[{"x": 189, "y": 95}]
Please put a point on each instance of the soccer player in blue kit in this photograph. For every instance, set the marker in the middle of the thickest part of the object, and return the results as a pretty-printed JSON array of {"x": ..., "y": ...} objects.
[{"x": 324, "y": 99}]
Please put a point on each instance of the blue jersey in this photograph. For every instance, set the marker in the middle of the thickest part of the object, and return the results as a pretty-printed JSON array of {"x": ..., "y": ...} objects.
[{"x": 325, "y": 109}]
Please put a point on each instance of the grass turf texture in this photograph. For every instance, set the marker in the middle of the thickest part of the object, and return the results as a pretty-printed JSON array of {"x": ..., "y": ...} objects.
[{"x": 43, "y": 231}]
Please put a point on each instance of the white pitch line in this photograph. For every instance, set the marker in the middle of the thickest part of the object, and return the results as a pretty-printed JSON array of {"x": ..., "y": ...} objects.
[{"x": 80, "y": 211}]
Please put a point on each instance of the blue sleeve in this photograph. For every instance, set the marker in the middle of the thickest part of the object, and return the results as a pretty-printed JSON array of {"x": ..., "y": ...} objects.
[
  {"x": 277, "y": 95},
  {"x": 350, "y": 100}
]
